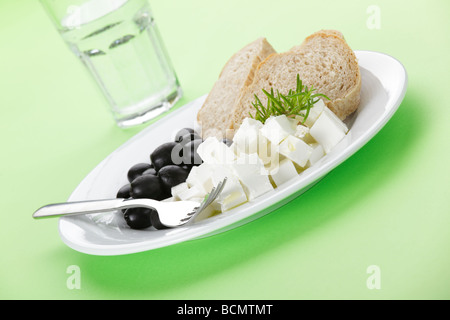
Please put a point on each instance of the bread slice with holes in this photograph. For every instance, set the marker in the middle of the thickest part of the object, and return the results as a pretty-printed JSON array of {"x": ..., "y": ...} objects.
[
  {"x": 324, "y": 60},
  {"x": 237, "y": 74}
]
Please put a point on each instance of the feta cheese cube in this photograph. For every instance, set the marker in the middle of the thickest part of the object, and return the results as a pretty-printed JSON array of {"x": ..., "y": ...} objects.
[
  {"x": 272, "y": 159},
  {"x": 222, "y": 172},
  {"x": 336, "y": 119},
  {"x": 314, "y": 113},
  {"x": 247, "y": 137},
  {"x": 213, "y": 151},
  {"x": 223, "y": 153},
  {"x": 176, "y": 190},
  {"x": 205, "y": 150},
  {"x": 302, "y": 132},
  {"x": 235, "y": 149},
  {"x": 232, "y": 194},
  {"x": 250, "y": 122},
  {"x": 316, "y": 154},
  {"x": 254, "y": 178},
  {"x": 251, "y": 161},
  {"x": 200, "y": 177},
  {"x": 191, "y": 193},
  {"x": 232, "y": 199},
  {"x": 267, "y": 151},
  {"x": 328, "y": 130},
  {"x": 284, "y": 172},
  {"x": 293, "y": 122},
  {"x": 296, "y": 150},
  {"x": 276, "y": 129}
]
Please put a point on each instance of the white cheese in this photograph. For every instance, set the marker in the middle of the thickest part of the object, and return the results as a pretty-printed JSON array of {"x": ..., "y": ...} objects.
[
  {"x": 232, "y": 194},
  {"x": 296, "y": 150},
  {"x": 284, "y": 172},
  {"x": 200, "y": 177},
  {"x": 207, "y": 212},
  {"x": 231, "y": 200},
  {"x": 176, "y": 190},
  {"x": 223, "y": 153},
  {"x": 336, "y": 119},
  {"x": 275, "y": 162},
  {"x": 213, "y": 151},
  {"x": 314, "y": 113},
  {"x": 206, "y": 150},
  {"x": 253, "y": 176},
  {"x": 267, "y": 152},
  {"x": 246, "y": 139},
  {"x": 191, "y": 193},
  {"x": 276, "y": 129},
  {"x": 328, "y": 130},
  {"x": 235, "y": 149},
  {"x": 316, "y": 154},
  {"x": 302, "y": 132},
  {"x": 249, "y": 122}
]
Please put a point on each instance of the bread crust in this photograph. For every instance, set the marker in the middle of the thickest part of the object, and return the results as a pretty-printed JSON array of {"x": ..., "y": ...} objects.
[{"x": 349, "y": 102}]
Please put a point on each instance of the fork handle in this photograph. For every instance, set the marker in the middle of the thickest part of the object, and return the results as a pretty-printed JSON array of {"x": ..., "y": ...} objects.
[{"x": 80, "y": 207}]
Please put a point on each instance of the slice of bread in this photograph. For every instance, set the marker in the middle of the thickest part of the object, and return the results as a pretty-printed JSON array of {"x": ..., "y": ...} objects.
[
  {"x": 324, "y": 60},
  {"x": 237, "y": 74},
  {"x": 341, "y": 80}
]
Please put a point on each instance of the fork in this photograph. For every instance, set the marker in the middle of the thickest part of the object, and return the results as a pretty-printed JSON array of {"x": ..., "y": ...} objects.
[{"x": 168, "y": 214}]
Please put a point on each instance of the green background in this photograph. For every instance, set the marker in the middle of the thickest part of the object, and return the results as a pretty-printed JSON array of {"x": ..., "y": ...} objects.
[{"x": 388, "y": 205}]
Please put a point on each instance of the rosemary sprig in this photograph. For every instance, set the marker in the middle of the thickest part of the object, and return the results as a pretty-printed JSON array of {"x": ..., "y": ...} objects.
[{"x": 297, "y": 102}]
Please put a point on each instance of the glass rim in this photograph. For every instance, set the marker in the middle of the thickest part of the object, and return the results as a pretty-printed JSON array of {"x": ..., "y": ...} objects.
[{"x": 74, "y": 13}]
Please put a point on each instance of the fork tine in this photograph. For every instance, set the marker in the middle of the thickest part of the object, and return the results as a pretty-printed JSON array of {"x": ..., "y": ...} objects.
[
  {"x": 185, "y": 219},
  {"x": 215, "y": 191},
  {"x": 220, "y": 186},
  {"x": 211, "y": 197},
  {"x": 204, "y": 204}
]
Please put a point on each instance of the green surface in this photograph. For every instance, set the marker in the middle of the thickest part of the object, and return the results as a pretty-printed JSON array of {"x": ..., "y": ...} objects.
[{"x": 388, "y": 205}]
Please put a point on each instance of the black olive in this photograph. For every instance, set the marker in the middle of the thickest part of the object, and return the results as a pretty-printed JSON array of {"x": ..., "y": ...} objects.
[
  {"x": 183, "y": 132},
  {"x": 228, "y": 142},
  {"x": 172, "y": 176},
  {"x": 150, "y": 171},
  {"x": 186, "y": 167},
  {"x": 138, "y": 218},
  {"x": 124, "y": 192},
  {"x": 137, "y": 170},
  {"x": 162, "y": 156},
  {"x": 147, "y": 186},
  {"x": 190, "y": 155},
  {"x": 188, "y": 138}
]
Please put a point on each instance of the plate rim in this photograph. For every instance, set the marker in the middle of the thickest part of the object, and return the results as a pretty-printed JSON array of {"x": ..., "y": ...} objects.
[{"x": 129, "y": 248}]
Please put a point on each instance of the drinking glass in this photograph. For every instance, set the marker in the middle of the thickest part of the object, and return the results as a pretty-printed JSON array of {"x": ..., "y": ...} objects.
[{"x": 119, "y": 43}]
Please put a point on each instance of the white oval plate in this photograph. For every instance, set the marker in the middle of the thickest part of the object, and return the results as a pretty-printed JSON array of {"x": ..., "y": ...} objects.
[{"x": 384, "y": 82}]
